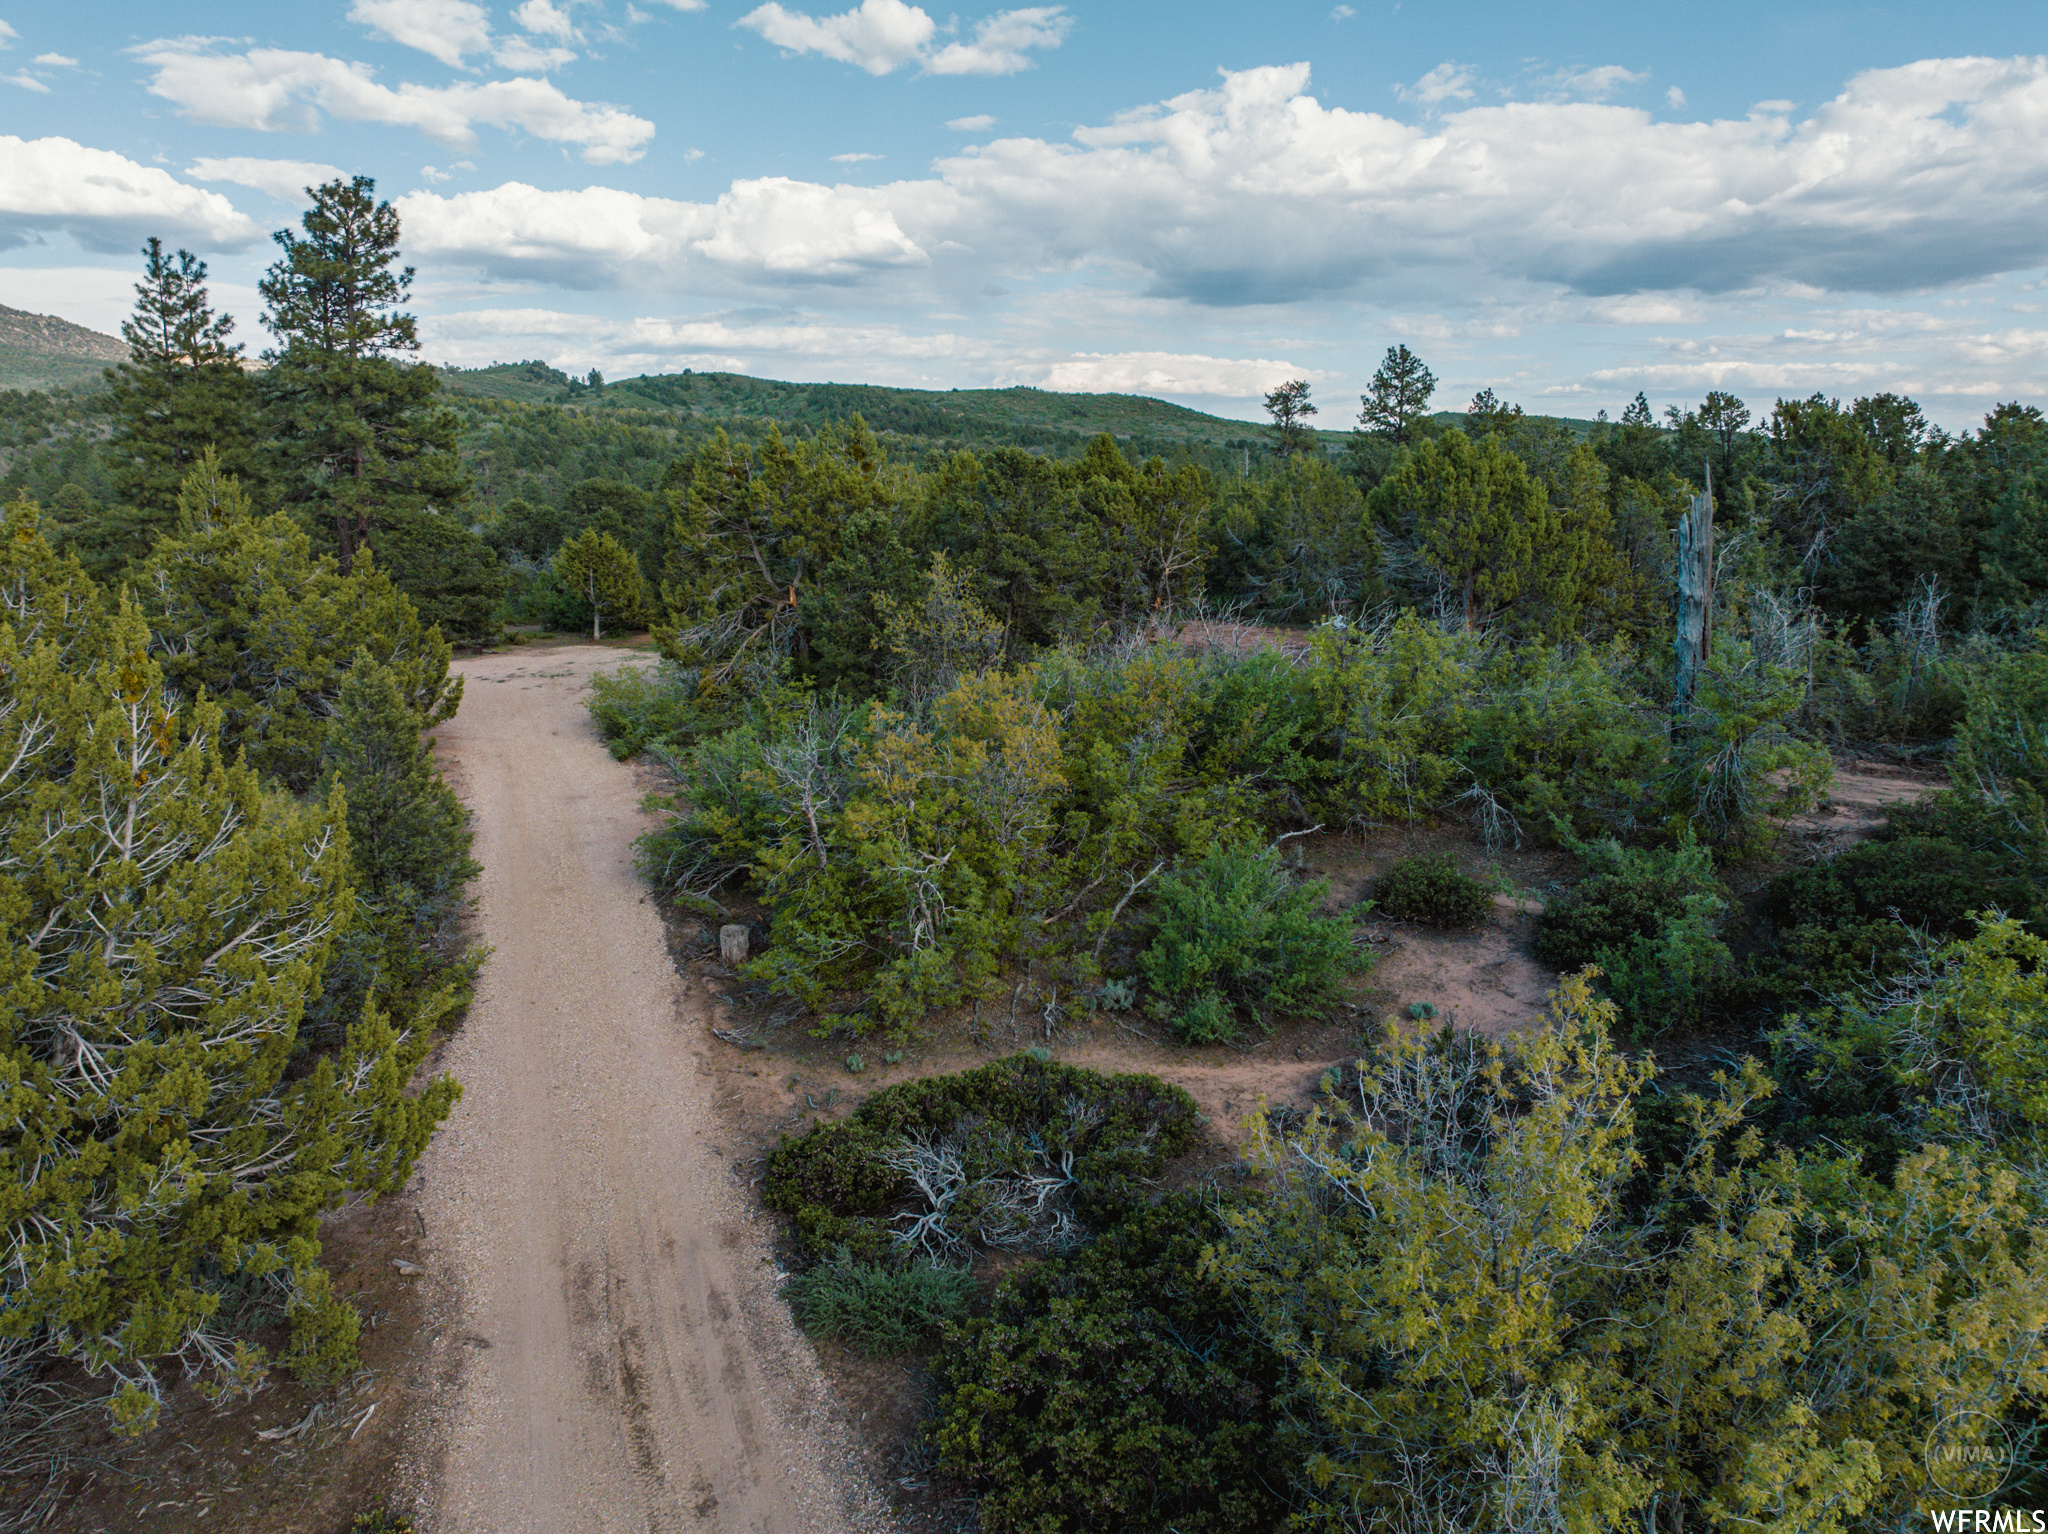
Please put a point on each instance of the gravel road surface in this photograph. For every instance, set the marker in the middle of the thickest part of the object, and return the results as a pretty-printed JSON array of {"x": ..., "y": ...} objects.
[{"x": 624, "y": 1362}]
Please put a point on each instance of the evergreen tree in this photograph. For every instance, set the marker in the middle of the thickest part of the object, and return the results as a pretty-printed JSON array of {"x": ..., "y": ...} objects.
[
  {"x": 1824, "y": 472},
  {"x": 1152, "y": 523},
  {"x": 452, "y": 578},
  {"x": 1490, "y": 415},
  {"x": 163, "y": 919},
  {"x": 1399, "y": 395},
  {"x": 1290, "y": 409},
  {"x": 1014, "y": 528},
  {"x": 752, "y": 534},
  {"x": 409, "y": 843},
  {"x": 182, "y": 391},
  {"x": 359, "y": 436},
  {"x": 1489, "y": 529},
  {"x": 238, "y": 605},
  {"x": 602, "y": 571}
]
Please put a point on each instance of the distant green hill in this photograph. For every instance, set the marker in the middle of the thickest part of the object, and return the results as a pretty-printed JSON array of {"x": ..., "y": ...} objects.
[
  {"x": 40, "y": 351},
  {"x": 1062, "y": 424}
]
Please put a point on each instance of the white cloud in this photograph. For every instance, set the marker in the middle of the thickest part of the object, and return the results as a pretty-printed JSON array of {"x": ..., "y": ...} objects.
[
  {"x": 981, "y": 122},
  {"x": 7, "y": 35},
  {"x": 443, "y": 29},
  {"x": 883, "y": 35},
  {"x": 1255, "y": 192},
  {"x": 27, "y": 82},
  {"x": 1597, "y": 83},
  {"x": 772, "y": 230},
  {"x": 853, "y": 159},
  {"x": 1449, "y": 81},
  {"x": 1000, "y": 43},
  {"x": 279, "y": 91},
  {"x": 1342, "y": 13},
  {"x": 683, "y": 5},
  {"x": 877, "y": 35},
  {"x": 1674, "y": 97},
  {"x": 285, "y": 180},
  {"x": 451, "y": 30},
  {"x": 522, "y": 53},
  {"x": 546, "y": 19},
  {"x": 1162, "y": 373},
  {"x": 106, "y": 201},
  {"x": 56, "y": 61}
]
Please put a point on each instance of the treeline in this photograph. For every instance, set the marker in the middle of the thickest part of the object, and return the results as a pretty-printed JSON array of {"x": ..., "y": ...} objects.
[{"x": 235, "y": 881}]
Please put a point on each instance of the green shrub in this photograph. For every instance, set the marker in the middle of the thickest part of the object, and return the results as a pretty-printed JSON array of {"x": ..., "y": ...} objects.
[
  {"x": 1118, "y": 1388},
  {"x": 877, "y": 1310},
  {"x": 1651, "y": 920},
  {"x": 1428, "y": 888},
  {"x": 1922, "y": 881},
  {"x": 1017, "y": 1118},
  {"x": 381, "y": 1521},
  {"x": 639, "y": 706},
  {"x": 1237, "y": 935}
]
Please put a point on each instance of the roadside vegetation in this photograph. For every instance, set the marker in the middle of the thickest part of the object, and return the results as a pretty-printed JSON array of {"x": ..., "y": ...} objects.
[
  {"x": 949, "y": 731},
  {"x": 234, "y": 882}
]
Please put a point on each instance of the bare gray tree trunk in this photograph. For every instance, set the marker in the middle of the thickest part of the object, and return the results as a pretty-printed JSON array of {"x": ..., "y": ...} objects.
[{"x": 1695, "y": 604}]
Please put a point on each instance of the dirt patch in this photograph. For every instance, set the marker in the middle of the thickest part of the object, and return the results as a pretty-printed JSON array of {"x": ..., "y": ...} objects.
[{"x": 1855, "y": 807}]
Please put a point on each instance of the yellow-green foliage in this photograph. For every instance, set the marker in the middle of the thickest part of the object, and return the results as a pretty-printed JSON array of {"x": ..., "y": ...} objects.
[
  {"x": 237, "y": 604},
  {"x": 1486, "y": 1333},
  {"x": 165, "y": 915}
]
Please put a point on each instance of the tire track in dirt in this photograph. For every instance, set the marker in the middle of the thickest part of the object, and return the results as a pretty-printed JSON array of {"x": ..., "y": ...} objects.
[{"x": 628, "y": 1366}]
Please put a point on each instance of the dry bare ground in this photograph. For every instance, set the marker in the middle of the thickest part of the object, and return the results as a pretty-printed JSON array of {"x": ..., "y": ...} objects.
[{"x": 620, "y": 1361}]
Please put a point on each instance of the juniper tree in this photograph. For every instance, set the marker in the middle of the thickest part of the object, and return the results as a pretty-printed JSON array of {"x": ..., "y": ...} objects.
[
  {"x": 1488, "y": 529},
  {"x": 163, "y": 919},
  {"x": 238, "y": 605},
  {"x": 409, "y": 851},
  {"x": 752, "y": 533},
  {"x": 602, "y": 571}
]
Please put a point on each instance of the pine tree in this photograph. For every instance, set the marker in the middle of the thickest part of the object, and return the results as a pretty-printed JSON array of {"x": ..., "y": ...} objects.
[
  {"x": 164, "y": 918},
  {"x": 602, "y": 571},
  {"x": 238, "y": 605},
  {"x": 1290, "y": 409},
  {"x": 358, "y": 434},
  {"x": 1399, "y": 395},
  {"x": 182, "y": 391}
]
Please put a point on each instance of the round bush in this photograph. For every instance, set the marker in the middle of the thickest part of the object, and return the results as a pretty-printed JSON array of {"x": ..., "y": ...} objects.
[
  {"x": 1429, "y": 889},
  {"x": 1118, "y": 1388},
  {"x": 1237, "y": 935}
]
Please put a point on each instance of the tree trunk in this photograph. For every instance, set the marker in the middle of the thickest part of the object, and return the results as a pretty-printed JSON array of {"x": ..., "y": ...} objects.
[{"x": 1695, "y": 602}]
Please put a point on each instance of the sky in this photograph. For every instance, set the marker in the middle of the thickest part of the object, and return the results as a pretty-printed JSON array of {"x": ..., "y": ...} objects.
[{"x": 1566, "y": 203}]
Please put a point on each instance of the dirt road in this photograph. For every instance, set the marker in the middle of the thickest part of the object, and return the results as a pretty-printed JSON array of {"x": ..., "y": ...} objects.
[{"x": 624, "y": 1363}]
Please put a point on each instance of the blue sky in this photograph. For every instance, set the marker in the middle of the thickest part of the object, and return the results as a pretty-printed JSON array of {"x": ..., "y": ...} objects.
[{"x": 1564, "y": 203}]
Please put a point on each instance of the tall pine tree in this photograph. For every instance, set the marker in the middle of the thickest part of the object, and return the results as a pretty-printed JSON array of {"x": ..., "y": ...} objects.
[
  {"x": 360, "y": 441},
  {"x": 182, "y": 391}
]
